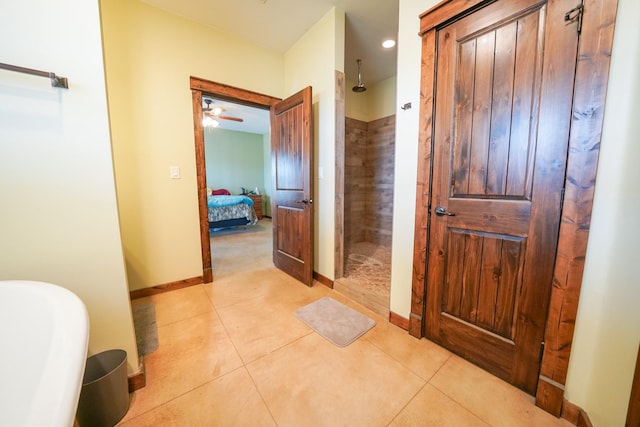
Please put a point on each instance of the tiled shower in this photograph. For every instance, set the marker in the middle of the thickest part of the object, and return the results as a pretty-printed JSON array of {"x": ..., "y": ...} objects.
[{"x": 368, "y": 211}]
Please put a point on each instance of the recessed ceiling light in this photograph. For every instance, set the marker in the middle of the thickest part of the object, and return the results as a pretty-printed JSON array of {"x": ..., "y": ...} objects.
[{"x": 388, "y": 44}]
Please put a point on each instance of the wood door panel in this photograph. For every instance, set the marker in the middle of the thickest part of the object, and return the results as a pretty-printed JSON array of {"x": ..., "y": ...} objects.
[
  {"x": 288, "y": 240},
  {"x": 489, "y": 268},
  {"x": 496, "y": 216},
  {"x": 506, "y": 48},
  {"x": 481, "y": 279},
  {"x": 489, "y": 351},
  {"x": 454, "y": 273},
  {"x": 470, "y": 276},
  {"x": 524, "y": 104},
  {"x": 493, "y": 103},
  {"x": 289, "y": 160},
  {"x": 481, "y": 112},
  {"x": 511, "y": 268}
]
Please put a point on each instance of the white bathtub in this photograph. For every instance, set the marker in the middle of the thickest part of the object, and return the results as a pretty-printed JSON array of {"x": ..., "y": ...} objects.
[{"x": 44, "y": 333}]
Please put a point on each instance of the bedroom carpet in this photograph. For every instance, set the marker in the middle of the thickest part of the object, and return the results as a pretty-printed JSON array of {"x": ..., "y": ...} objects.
[
  {"x": 144, "y": 322},
  {"x": 334, "y": 321}
]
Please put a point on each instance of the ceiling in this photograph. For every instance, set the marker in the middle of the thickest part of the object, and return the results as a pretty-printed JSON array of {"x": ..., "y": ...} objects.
[
  {"x": 278, "y": 24},
  {"x": 368, "y": 23}
]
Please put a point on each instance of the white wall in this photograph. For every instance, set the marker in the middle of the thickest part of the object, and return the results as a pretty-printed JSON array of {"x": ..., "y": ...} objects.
[
  {"x": 58, "y": 214},
  {"x": 608, "y": 325},
  {"x": 313, "y": 61}
]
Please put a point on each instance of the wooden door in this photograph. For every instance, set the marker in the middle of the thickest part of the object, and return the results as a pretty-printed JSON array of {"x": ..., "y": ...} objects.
[
  {"x": 292, "y": 203},
  {"x": 503, "y": 95}
]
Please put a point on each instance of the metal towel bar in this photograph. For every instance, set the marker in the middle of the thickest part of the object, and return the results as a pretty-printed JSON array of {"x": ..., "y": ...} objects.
[{"x": 56, "y": 81}]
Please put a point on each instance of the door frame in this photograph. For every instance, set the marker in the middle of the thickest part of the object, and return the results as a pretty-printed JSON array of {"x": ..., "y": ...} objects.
[
  {"x": 199, "y": 87},
  {"x": 592, "y": 73}
]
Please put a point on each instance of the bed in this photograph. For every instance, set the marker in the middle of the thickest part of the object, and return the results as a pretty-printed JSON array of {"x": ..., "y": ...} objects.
[{"x": 230, "y": 211}]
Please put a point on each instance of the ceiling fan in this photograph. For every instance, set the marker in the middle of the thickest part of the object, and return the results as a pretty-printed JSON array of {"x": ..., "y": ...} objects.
[{"x": 211, "y": 114}]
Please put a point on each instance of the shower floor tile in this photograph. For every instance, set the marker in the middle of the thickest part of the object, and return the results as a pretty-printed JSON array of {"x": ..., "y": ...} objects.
[{"x": 367, "y": 276}]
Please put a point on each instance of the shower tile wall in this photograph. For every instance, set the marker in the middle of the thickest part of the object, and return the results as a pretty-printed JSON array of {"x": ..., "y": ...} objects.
[
  {"x": 355, "y": 181},
  {"x": 380, "y": 156},
  {"x": 368, "y": 188}
]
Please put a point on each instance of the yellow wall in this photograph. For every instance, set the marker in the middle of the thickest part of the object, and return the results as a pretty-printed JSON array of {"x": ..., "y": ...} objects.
[
  {"x": 313, "y": 61},
  {"x": 407, "y": 125},
  {"x": 382, "y": 99},
  {"x": 608, "y": 326},
  {"x": 58, "y": 214},
  {"x": 378, "y": 101},
  {"x": 356, "y": 105},
  {"x": 149, "y": 56}
]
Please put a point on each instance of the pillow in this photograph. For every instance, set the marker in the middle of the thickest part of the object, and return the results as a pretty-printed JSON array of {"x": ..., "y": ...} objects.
[{"x": 220, "y": 192}]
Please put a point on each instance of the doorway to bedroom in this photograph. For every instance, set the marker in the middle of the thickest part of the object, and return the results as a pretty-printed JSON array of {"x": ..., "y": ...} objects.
[
  {"x": 232, "y": 145},
  {"x": 237, "y": 163},
  {"x": 242, "y": 249}
]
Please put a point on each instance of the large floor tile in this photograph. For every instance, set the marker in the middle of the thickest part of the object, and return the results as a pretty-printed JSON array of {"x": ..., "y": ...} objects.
[
  {"x": 233, "y": 353},
  {"x": 493, "y": 400},
  {"x": 269, "y": 285},
  {"x": 433, "y": 408},
  {"x": 311, "y": 382},
  {"x": 231, "y": 400},
  {"x": 191, "y": 353},
  {"x": 420, "y": 355},
  {"x": 257, "y": 328},
  {"x": 179, "y": 305}
]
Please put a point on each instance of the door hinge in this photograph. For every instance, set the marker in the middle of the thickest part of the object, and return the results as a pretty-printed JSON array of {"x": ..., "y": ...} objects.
[
  {"x": 575, "y": 15},
  {"x": 541, "y": 350},
  {"x": 561, "y": 200}
]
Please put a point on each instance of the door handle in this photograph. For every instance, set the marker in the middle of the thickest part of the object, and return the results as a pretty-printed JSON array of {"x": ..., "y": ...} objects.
[
  {"x": 305, "y": 201},
  {"x": 440, "y": 211}
]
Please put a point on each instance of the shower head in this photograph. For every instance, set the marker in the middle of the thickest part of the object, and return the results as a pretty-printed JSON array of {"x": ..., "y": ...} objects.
[{"x": 360, "y": 87}]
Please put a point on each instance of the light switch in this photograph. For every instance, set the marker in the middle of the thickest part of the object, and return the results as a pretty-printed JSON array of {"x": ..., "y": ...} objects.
[
  {"x": 174, "y": 172},
  {"x": 320, "y": 172}
]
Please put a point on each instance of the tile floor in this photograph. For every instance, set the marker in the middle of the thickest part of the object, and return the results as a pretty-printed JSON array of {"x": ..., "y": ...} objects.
[{"x": 233, "y": 354}]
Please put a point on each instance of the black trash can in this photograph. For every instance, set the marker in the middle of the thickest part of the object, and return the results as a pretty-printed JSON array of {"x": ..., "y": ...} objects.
[{"x": 104, "y": 397}]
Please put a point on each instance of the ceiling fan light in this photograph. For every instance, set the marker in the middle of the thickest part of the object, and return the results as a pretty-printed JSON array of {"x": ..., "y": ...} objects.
[
  {"x": 216, "y": 111},
  {"x": 208, "y": 122}
]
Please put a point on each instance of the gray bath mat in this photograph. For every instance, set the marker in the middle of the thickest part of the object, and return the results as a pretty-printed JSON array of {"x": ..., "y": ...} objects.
[
  {"x": 334, "y": 321},
  {"x": 144, "y": 322}
]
